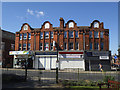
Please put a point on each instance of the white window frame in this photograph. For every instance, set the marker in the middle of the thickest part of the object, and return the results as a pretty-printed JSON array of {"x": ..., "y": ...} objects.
[
  {"x": 20, "y": 36},
  {"x": 77, "y": 45},
  {"x": 96, "y": 36},
  {"x": 41, "y": 46},
  {"x": 65, "y": 45},
  {"x": 51, "y": 34},
  {"x": 41, "y": 35},
  {"x": 76, "y": 34},
  {"x": 71, "y": 25},
  {"x": 96, "y": 25},
  {"x": 70, "y": 34},
  {"x": 46, "y": 44},
  {"x": 70, "y": 46},
  {"x": 25, "y": 27},
  {"x": 46, "y": 35},
  {"x": 47, "y": 25},
  {"x": 65, "y": 34},
  {"x": 24, "y": 47},
  {"x": 29, "y": 35},
  {"x": 29, "y": 47},
  {"x": 25, "y": 36}
]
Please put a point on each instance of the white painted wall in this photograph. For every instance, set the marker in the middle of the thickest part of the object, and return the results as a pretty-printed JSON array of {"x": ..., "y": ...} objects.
[{"x": 72, "y": 63}]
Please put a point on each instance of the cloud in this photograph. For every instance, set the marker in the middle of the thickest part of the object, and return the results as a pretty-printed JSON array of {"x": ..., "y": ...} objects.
[
  {"x": 39, "y": 13},
  {"x": 30, "y": 12}
]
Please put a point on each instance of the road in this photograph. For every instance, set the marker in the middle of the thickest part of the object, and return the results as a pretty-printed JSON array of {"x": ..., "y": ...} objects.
[{"x": 64, "y": 75}]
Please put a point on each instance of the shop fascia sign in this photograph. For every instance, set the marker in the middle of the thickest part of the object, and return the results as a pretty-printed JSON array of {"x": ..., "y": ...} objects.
[
  {"x": 67, "y": 55},
  {"x": 20, "y": 52},
  {"x": 104, "y": 57}
]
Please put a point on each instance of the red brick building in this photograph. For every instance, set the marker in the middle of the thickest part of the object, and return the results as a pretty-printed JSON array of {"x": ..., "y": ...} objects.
[
  {"x": 68, "y": 36},
  {"x": 95, "y": 37}
]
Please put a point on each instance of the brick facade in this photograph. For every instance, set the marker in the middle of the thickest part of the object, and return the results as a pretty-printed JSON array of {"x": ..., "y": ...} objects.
[{"x": 83, "y": 36}]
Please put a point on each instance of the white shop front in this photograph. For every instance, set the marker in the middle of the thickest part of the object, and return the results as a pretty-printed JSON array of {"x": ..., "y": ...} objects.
[{"x": 71, "y": 60}]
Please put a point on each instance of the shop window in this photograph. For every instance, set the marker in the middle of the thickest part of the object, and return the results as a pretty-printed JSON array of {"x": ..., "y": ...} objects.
[
  {"x": 51, "y": 33},
  {"x": 46, "y": 35},
  {"x": 101, "y": 34},
  {"x": 41, "y": 35},
  {"x": 41, "y": 46},
  {"x": 91, "y": 46},
  {"x": 29, "y": 45},
  {"x": 70, "y": 34},
  {"x": 76, "y": 45},
  {"x": 20, "y": 47},
  {"x": 51, "y": 46},
  {"x": 65, "y": 34},
  {"x": 25, "y": 36},
  {"x": 65, "y": 46},
  {"x": 24, "y": 47},
  {"x": 29, "y": 35},
  {"x": 96, "y": 35},
  {"x": 76, "y": 34},
  {"x": 96, "y": 45},
  {"x": 102, "y": 45},
  {"x": 71, "y": 46},
  {"x": 46, "y": 46},
  {"x": 20, "y": 36},
  {"x": 90, "y": 34}
]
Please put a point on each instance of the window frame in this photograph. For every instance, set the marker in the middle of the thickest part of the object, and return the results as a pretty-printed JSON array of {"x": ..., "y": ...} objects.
[
  {"x": 65, "y": 45},
  {"x": 77, "y": 45},
  {"x": 20, "y": 36},
  {"x": 25, "y": 36},
  {"x": 29, "y": 47},
  {"x": 24, "y": 47},
  {"x": 96, "y": 36},
  {"x": 45, "y": 46},
  {"x": 41, "y": 46},
  {"x": 96, "y": 44},
  {"x": 76, "y": 36},
  {"x": 46, "y": 35},
  {"x": 71, "y": 34},
  {"x": 90, "y": 34},
  {"x": 65, "y": 34},
  {"x": 29, "y": 35},
  {"x": 51, "y": 34},
  {"x": 71, "y": 46}
]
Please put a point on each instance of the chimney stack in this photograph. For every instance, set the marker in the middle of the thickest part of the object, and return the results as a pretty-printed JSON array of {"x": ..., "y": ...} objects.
[{"x": 61, "y": 23}]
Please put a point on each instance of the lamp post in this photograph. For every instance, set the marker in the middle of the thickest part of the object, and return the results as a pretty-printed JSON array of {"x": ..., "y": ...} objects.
[{"x": 57, "y": 62}]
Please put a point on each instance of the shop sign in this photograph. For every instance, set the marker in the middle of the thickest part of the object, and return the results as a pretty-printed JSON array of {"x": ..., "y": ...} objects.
[
  {"x": 70, "y": 55},
  {"x": 100, "y": 53},
  {"x": 20, "y": 52},
  {"x": 104, "y": 57}
]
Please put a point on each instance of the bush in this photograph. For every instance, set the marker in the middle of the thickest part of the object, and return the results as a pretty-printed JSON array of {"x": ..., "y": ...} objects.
[{"x": 106, "y": 78}]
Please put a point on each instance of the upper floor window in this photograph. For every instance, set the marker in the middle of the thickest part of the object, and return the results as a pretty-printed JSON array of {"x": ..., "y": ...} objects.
[
  {"x": 96, "y": 35},
  {"x": 71, "y": 25},
  {"x": 76, "y": 45},
  {"x": 24, "y": 47},
  {"x": 25, "y": 36},
  {"x": 46, "y": 35},
  {"x": 25, "y": 27},
  {"x": 3, "y": 45},
  {"x": 91, "y": 46},
  {"x": 20, "y": 47},
  {"x": 70, "y": 34},
  {"x": 41, "y": 35},
  {"x": 46, "y": 47},
  {"x": 101, "y": 45},
  {"x": 65, "y": 46},
  {"x": 51, "y": 46},
  {"x": 29, "y": 45},
  {"x": 65, "y": 34},
  {"x": 41, "y": 46},
  {"x": 71, "y": 46},
  {"x": 90, "y": 34},
  {"x": 101, "y": 34},
  {"x": 96, "y": 25},
  {"x": 47, "y": 25},
  {"x": 76, "y": 34},
  {"x": 96, "y": 46},
  {"x": 20, "y": 36},
  {"x": 12, "y": 46},
  {"x": 51, "y": 34},
  {"x": 29, "y": 35}
]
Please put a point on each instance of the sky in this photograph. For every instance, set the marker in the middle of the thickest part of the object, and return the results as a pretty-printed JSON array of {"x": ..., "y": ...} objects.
[{"x": 14, "y": 14}]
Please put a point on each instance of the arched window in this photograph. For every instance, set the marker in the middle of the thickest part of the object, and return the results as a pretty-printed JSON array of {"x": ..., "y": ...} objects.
[
  {"x": 47, "y": 25},
  {"x": 96, "y": 25},
  {"x": 26, "y": 27},
  {"x": 71, "y": 25}
]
